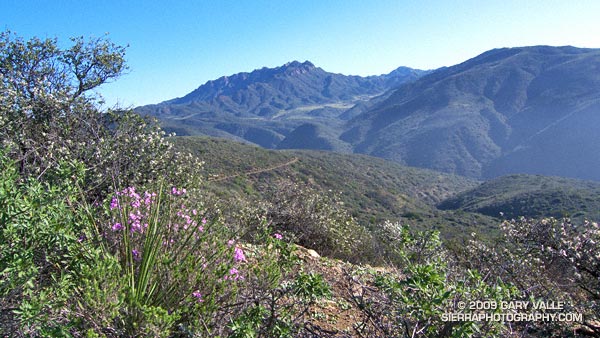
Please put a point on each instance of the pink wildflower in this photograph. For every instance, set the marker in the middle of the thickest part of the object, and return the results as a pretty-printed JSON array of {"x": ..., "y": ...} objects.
[
  {"x": 148, "y": 197},
  {"x": 239, "y": 255},
  {"x": 198, "y": 296},
  {"x": 136, "y": 254},
  {"x": 114, "y": 203},
  {"x": 278, "y": 236},
  {"x": 135, "y": 221},
  {"x": 133, "y": 194},
  {"x": 135, "y": 203},
  {"x": 177, "y": 192},
  {"x": 234, "y": 274}
]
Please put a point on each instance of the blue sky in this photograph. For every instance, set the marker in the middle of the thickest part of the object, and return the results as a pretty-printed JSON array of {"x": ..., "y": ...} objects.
[{"x": 175, "y": 46}]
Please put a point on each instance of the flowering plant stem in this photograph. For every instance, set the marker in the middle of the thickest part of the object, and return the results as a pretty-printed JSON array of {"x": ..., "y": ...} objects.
[
  {"x": 151, "y": 245},
  {"x": 139, "y": 266}
]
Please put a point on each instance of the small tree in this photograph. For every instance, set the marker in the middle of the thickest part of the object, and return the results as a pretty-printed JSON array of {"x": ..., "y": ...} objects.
[
  {"x": 44, "y": 86},
  {"x": 49, "y": 113}
]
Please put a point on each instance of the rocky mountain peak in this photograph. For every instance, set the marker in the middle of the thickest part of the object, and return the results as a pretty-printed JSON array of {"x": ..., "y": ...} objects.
[{"x": 296, "y": 68}]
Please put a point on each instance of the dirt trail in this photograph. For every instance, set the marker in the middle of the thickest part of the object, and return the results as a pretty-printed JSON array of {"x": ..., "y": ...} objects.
[{"x": 257, "y": 171}]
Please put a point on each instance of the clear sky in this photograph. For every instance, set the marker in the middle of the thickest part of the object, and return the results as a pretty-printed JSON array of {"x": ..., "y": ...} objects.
[{"x": 175, "y": 46}]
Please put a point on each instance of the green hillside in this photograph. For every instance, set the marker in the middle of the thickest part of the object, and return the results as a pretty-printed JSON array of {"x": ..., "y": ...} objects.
[
  {"x": 372, "y": 189},
  {"x": 531, "y": 196}
]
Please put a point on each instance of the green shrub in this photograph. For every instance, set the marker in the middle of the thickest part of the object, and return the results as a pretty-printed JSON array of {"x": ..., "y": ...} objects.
[
  {"x": 427, "y": 287},
  {"x": 44, "y": 253},
  {"x": 314, "y": 220}
]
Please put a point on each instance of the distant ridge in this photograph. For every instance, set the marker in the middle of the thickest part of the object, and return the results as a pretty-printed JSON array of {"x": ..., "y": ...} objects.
[
  {"x": 514, "y": 196},
  {"x": 533, "y": 110},
  {"x": 264, "y": 106},
  {"x": 510, "y": 110}
]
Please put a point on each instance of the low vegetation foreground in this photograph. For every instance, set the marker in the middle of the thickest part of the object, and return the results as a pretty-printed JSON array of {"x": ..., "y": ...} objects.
[{"x": 108, "y": 228}]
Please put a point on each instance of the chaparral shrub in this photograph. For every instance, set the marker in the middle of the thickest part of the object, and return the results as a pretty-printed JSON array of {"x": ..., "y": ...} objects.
[
  {"x": 45, "y": 256},
  {"x": 549, "y": 260},
  {"x": 313, "y": 219},
  {"x": 424, "y": 286},
  {"x": 49, "y": 113}
]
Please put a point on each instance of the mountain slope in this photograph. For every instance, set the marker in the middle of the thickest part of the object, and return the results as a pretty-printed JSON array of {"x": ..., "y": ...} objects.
[
  {"x": 372, "y": 189},
  {"x": 510, "y": 110},
  {"x": 266, "y": 105},
  {"x": 530, "y": 196}
]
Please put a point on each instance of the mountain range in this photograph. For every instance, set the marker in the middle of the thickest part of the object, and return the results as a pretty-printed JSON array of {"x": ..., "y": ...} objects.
[
  {"x": 266, "y": 105},
  {"x": 533, "y": 110}
]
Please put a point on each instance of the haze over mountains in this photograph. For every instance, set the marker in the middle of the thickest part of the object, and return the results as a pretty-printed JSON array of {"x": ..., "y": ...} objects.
[
  {"x": 529, "y": 110},
  {"x": 266, "y": 105}
]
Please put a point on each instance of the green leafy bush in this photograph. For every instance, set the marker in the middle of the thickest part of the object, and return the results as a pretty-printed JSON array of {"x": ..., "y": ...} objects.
[
  {"x": 427, "y": 287},
  {"x": 44, "y": 254}
]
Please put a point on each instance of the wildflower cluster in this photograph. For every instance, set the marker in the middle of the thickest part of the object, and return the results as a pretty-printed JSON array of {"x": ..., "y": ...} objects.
[
  {"x": 133, "y": 211},
  {"x": 161, "y": 241},
  {"x": 137, "y": 219}
]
